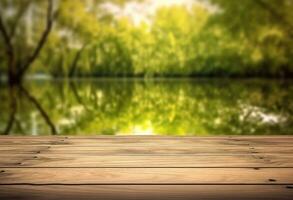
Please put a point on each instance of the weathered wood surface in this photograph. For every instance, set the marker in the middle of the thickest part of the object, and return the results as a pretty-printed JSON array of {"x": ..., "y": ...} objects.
[
  {"x": 144, "y": 161},
  {"x": 148, "y": 176},
  {"x": 143, "y": 192},
  {"x": 139, "y": 150},
  {"x": 130, "y": 167}
]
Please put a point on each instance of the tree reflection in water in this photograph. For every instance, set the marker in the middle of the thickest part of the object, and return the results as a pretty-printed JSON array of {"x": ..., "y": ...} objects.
[
  {"x": 161, "y": 107},
  {"x": 16, "y": 93}
]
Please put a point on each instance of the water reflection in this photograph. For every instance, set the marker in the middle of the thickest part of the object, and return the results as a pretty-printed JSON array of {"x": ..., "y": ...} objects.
[{"x": 136, "y": 107}]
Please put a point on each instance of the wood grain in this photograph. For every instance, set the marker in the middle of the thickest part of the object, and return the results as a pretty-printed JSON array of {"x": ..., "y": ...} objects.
[
  {"x": 128, "y": 176},
  {"x": 147, "y": 141},
  {"x": 139, "y": 150},
  {"x": 143, "y": 167},
  {"x": 143, "y": 192},
  {"x": 66, "y": 160}
]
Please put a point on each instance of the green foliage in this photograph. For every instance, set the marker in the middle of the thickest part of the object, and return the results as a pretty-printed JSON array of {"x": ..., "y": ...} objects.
[{"x": 225, "y": 38}]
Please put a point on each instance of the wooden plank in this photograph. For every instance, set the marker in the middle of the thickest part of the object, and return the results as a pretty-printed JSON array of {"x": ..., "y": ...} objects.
[
  {"x": 13, "y": 161},
  {"x": 146, "y": 167},
  {"x": 144, "y": 144},
  {"x": 154, "y": 137},
  {"x": 125, "y": 150},
  {"x": 145, "y": 192},
  {"x": 148, "y": 141},
  {"x": 280, "y": 139},
  {"x": 126, "y": 176},
  {"x": 57, "y": 160}
]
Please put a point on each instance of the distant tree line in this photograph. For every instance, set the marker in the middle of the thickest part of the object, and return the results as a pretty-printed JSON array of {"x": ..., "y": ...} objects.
[{"x": 76, "y": 38}]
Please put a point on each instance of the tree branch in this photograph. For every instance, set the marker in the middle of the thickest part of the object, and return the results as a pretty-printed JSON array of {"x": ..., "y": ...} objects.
[
  {"x": 41, "y": 110},
  {"x": 19, "y": 15},
  {"x": 50, "y": 19},
  {"x": 75, "y": 60},
  {"x": 9, "y": 50},
  {"x": 6, "y": 38},
  {"x": 13, "y": 110}
]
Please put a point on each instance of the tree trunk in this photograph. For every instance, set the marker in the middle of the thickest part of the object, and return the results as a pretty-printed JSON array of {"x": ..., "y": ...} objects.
[
  {"x": 14, "y": 77},
  {"x": 75, "y": 61},
  {"x": 16, "y": 72}
]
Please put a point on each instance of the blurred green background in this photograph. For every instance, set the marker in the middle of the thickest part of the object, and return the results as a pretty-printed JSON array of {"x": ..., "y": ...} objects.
[
  {"x": 218, "y": 38},
  {"x": 146, "y": 67}
]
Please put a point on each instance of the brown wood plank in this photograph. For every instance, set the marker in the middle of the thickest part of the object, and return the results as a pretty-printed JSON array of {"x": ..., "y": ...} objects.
[
  {"x": 237, "y": 167},
  {"x": 284, "y": 141},
  {"x": 145, "y": 144},
  {"x": 142, "y": 137},
  {"x": 132, "y": 150},
  {"x": 147, "y": 192},
  {"x": 71, "y": 160},
  {"x": 146, "y": 176},
  {"x": 112, "y": 139}
]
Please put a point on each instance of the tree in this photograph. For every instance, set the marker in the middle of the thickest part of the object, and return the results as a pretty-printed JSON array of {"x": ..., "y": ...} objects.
[{"x": 17, "y": 67}]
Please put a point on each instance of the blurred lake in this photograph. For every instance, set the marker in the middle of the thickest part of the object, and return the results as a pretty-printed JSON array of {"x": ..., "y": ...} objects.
[{"x": 179, "y": 107}]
